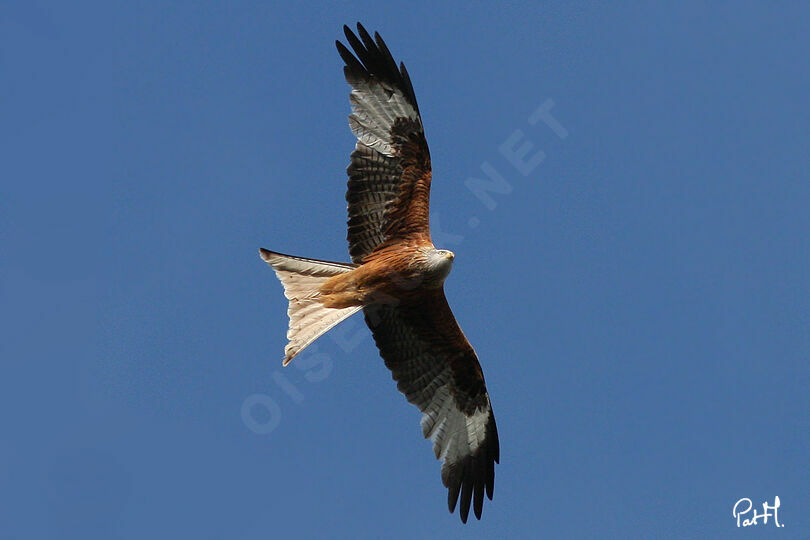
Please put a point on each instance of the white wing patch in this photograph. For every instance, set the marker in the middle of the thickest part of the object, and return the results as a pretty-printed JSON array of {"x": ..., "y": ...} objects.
[
  {"x": 375, "y": 108},
  {"x": 453, "y": 433}
]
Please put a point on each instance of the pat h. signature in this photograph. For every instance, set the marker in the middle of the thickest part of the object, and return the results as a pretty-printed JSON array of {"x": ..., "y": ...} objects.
[{"x": 742, "y": 513}]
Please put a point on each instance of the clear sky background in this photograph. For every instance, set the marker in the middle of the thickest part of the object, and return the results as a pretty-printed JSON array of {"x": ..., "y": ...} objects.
[{"x": 639, "y": 297}]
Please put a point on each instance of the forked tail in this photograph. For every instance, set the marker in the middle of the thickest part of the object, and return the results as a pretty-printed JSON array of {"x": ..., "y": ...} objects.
[{"x": 302, "y": 279}]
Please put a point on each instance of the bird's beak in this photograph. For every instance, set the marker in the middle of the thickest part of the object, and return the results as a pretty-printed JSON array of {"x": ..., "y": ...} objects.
[{"x": 450, "y": 255}]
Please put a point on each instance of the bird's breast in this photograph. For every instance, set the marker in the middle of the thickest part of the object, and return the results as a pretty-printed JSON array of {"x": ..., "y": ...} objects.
[{"x": 402, "y": 277}]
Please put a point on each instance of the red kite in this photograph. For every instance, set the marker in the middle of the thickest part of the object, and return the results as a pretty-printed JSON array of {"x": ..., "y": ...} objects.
[{"x": 398, "y": 275}]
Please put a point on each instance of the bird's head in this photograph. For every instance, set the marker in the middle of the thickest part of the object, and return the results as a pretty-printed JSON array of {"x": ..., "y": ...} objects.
[
  {"x": 447, "y": 254},
  {"x": 439, "y": 263}
]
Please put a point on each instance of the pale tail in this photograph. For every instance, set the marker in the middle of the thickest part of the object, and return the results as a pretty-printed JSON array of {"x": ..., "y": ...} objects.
[{"x": 302, "y": 279}]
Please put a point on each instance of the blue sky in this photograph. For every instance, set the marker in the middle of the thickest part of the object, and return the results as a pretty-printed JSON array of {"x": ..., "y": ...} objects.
[{"x": 638, "y": 295}]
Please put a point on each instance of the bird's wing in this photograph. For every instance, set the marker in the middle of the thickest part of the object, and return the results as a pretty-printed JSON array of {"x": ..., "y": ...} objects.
[
  {"x": 438, "y": 371},
  {"x": 389, "y": 175}
]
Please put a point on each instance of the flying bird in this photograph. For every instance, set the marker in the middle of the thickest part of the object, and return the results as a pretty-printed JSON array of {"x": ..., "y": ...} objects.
[{"x": 397, "y": 276}]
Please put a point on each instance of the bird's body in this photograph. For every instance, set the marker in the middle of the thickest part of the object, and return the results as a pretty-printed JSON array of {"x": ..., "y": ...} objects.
[
  {"x": 389, "y": 276},
  {"x": 397, "y": 276}
]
